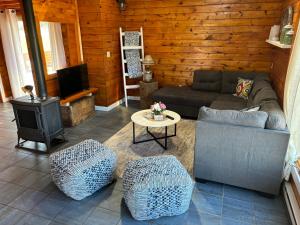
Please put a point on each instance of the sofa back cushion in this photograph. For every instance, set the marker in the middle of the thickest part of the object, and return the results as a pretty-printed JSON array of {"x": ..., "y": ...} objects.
[
  {"x": 230, "y": 79},
  {"x": 262, "y": 92},
  {"x": 250, "y": 119},
  {"x": 206, "y": 80}
]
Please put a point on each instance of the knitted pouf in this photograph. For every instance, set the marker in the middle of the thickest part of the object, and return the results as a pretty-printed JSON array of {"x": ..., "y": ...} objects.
[
  {"x": 156, "y": 186},
  {"x": 82, "y": 169}
]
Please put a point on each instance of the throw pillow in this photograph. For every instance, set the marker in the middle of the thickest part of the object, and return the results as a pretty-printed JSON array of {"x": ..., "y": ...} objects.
[
  {"x": 243, "y": 88},
  {"x": 251, "y": 109}
]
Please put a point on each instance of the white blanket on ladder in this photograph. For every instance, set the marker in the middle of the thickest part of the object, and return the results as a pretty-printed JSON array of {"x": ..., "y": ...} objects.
[{"x": 133, "y": 56}]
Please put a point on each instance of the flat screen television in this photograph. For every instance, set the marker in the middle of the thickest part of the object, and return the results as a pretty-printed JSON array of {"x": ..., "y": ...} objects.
[{"x": 72, "y": 80}]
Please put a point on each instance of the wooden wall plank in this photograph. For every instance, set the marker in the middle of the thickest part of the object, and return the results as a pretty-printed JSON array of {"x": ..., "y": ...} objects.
[
  {"x": 184, "y": 35},
  {"x": 99, "y": 24}
]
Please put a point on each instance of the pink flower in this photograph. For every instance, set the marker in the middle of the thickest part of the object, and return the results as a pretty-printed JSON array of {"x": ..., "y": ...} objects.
[{"x": 162, "y": 106}]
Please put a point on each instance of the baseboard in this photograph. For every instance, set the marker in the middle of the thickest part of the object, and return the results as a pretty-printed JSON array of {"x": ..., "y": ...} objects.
[
  {"x": 116, "y": 104},
  {"x": 110, "y": 107}
]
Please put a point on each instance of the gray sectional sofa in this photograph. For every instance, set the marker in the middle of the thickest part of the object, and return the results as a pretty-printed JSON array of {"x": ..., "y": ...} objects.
[{"x": 233, "y": 145}]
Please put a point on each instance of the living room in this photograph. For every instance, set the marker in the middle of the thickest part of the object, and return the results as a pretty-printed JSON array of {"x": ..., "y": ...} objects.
[{"x": 149, "y": 112}]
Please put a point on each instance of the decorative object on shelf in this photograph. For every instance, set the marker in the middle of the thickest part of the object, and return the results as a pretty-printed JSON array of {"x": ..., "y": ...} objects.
[
  {"x": 274, "y": 33},
  {"x": 288, "y": 37},
  {"x": 287, "y": 19},
  {"x": 157, "y": 110},
  {"x": 122, "y": 4},
  {"x": 27, "y": 89},
  {"x": 148, "y": 62},
  {"x": 284, "y": 32}
]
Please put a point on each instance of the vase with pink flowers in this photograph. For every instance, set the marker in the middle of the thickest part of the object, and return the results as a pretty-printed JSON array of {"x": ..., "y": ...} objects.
[{"x": 157, "y": 110}]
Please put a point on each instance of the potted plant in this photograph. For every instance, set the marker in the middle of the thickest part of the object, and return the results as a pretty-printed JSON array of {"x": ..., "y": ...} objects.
[{"x": 157, "y": 110}]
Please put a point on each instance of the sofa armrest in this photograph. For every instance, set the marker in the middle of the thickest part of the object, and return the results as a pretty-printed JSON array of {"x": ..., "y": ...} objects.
[{"x": 247, "y": 157}]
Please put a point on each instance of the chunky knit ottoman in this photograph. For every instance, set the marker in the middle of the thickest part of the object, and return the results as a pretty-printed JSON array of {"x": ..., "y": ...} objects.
[
  {"x": 156, "y": 186},
  {"x": 82, "y": 169}
]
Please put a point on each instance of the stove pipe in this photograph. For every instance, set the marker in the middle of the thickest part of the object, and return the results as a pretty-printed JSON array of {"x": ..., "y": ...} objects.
[{"x": 35, "y": 48}]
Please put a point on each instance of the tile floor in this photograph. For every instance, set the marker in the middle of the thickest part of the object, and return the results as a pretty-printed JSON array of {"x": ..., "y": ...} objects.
[{"x": 27, "y": 195}]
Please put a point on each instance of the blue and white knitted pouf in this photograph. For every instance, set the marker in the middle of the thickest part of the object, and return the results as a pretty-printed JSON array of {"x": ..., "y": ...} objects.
[
  {"x": 82, "y": 169},
  {"x": 157, "y": 186}
]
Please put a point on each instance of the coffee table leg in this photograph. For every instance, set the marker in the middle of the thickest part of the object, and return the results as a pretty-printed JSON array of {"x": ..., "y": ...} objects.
[
  {"x": 133, "y": 132},
  {"x": 166, "y": 138}
]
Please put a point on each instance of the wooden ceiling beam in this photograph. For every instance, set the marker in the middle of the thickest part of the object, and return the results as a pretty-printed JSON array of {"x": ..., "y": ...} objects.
[{"x": 10, "y": 4}]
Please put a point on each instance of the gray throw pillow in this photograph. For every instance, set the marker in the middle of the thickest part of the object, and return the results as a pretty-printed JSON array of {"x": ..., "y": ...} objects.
[{"x": 250, "y": 119}]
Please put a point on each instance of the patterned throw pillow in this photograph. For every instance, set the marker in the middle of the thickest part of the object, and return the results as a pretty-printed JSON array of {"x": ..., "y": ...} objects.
[{"x": 243, "y": 88}]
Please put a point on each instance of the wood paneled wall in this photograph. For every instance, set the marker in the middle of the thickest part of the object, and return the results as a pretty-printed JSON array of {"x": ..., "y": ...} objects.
[
  {"x": 4, "y": 74},
  {"x": 281, "y": 56},
  {"x": 99, "y": 24},
  {"x": 185, "y": 35}
]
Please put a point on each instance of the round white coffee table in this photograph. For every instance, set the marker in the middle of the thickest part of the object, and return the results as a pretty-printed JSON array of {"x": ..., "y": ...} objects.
[{"x": 143, "y": 118}]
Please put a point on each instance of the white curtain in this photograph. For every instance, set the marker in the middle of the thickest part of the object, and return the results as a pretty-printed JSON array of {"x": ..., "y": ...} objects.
[
  {"x": 13, "y": 52},
  {"x": 57, "y": 46},
  {"x": 292, "y": 105}
]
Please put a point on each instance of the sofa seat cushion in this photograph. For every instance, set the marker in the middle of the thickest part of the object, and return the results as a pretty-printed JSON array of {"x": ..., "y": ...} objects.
[
  {"x": 184, "y": 96},
  {"x": 206, "y": 80},
  {"x": 276, "y": 119},
  {"x": 228, "y": 101},
  {"x": 233, "y": 117}
]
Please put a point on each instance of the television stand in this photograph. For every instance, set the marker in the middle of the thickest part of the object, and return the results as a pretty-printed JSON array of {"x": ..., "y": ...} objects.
[{"x": 78, "y": 107}]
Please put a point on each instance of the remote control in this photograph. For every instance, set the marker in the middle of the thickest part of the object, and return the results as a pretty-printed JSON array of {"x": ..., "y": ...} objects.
[{"x": 170, "y": 117}]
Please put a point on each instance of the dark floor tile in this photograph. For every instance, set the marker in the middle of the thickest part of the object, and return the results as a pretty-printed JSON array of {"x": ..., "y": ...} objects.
[
  {"x": 30, "y": 219},
  {"x": 12, "y": 173},
  {"x": 112, "y": 200},
  {"x": 189, "y": 218},
  {"x": 229, "y": 221},
  {"x": 9, "y": 192},
  {"x": 239, "y": 214},
  {"x": 102, "y": 217},
  {"x": 238, "y": 193},
  {"x": 29, "y": 179},
  {"x": 49, "y": 208},
  {"x": 74, "y": 213},
  {"x": 10, "y": 216},
  {"x": 271, "y": 215},
  {"x": 206, "y": 203},
  {"x": 44, "y": 184},
  {"x": 210, "y": 188},
  {"x": 265, "y": 222},
  {"x": 29, "y": 162},
  {"x": 28, "y": 200},
  {"x": 42, "y": 166},
  {"x": 238, "y": 204}
]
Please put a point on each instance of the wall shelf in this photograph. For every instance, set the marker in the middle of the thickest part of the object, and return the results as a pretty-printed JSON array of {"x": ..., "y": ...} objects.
[{"x": 278, "y": 44}]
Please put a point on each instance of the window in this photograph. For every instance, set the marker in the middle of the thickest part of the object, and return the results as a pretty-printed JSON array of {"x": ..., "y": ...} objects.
[{"x": 53, "y": 46}]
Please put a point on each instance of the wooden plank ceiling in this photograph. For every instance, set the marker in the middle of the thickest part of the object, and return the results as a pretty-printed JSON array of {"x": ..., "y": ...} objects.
[{"x": 10, "y": 4}]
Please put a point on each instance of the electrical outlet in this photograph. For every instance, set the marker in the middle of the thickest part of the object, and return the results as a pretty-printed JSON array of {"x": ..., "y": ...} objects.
[{"x": 108, "y": 54}]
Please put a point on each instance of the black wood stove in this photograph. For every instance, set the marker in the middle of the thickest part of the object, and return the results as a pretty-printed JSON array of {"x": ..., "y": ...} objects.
[{"x": 38, "y": 121}]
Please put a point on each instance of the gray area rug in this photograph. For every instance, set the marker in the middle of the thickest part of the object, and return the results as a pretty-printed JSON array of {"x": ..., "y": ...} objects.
[{"x": 181, "y": 146}]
